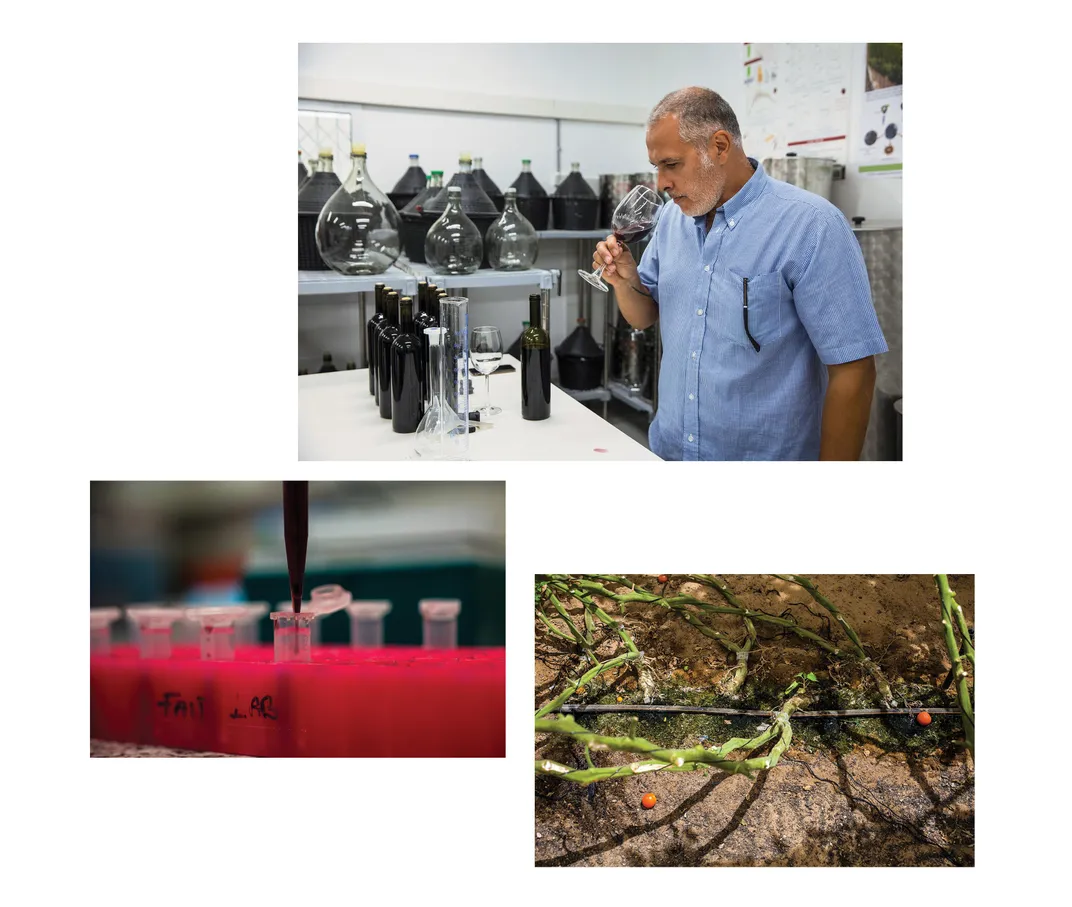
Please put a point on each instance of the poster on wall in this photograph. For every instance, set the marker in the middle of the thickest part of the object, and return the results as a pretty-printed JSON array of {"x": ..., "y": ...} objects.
[
  {"x": 880, "y": 138},
  {"x": 796, "y": 99}
]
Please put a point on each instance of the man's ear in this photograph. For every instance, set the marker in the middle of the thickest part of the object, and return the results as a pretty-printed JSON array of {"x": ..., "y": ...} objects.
[{"x": 718, "y": 146}]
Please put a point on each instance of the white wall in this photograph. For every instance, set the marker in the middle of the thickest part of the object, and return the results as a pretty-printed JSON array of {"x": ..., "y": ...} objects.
[{"x": 501, "y": 102}]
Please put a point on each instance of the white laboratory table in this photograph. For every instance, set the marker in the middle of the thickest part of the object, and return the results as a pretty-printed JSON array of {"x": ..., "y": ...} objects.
[{"x": 338, "y": 420}]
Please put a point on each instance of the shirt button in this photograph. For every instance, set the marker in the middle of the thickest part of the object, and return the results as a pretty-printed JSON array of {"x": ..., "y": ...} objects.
[
  {"x": 693, "y": 355},
  {"x": 731, "y": 223},
  {"x": 692, "y": 396},
  {"x": 690, "y": 437},
  {"x": 707, "y": 268},
  {"x": 699, "y": 311}
]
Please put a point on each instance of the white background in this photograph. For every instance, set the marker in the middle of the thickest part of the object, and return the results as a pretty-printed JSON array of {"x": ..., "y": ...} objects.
[{"x": 158, "y": 342}]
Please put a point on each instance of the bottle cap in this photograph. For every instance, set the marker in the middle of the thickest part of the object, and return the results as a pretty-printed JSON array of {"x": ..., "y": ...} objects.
[
  {"x": 464, "y": 159},
  {"x": 454, "y": 190},
  {"x": 326, "y": 152},
  {"x": 526, "y": 160},
  {"x": 413, "y": 157},
  {"x": 357, "y": 148}
]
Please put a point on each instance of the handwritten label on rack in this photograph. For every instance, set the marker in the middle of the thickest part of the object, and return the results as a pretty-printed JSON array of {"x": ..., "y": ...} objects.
[
  {"x": 259, "y": 707},
  {"x": 175, "y": 706}
]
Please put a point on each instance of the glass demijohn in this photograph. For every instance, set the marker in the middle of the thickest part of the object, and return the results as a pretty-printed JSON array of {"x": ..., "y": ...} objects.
[
  {"x": 512, "y": 241},
  {"x": 358, "y": 229},
  {"x": 453, "y": 244}
]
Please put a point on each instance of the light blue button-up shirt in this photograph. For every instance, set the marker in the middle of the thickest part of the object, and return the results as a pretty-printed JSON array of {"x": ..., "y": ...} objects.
[{"x": 809, "y": 306}]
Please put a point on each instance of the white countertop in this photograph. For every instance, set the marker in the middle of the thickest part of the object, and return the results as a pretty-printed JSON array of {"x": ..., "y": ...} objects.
[{"x": 338, "y": 420}]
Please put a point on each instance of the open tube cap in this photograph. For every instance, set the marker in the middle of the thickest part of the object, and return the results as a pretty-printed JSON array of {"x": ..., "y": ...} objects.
[{"x": 103, "y": 617}]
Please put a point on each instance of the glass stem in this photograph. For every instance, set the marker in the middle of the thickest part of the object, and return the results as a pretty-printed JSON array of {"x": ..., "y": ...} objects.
[{"x": 487, "y": 392}]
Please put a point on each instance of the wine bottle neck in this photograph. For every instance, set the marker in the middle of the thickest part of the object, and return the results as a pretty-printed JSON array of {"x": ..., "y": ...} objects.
[
  {"x": 405, "y": 309},
  {"x": 534, "y": 310}
]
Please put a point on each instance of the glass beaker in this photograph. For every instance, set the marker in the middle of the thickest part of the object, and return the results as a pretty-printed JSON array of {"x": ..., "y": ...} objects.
[{"x": 454, "y": 320}]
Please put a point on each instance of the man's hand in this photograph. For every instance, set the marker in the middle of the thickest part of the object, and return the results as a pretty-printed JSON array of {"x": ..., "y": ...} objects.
[
  {"x": 846, "y": 409},
  {"x": 620, "y": 268}
]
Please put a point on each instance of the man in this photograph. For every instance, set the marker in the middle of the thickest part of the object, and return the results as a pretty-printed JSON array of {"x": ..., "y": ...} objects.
[{"x": 769, "y": 333}]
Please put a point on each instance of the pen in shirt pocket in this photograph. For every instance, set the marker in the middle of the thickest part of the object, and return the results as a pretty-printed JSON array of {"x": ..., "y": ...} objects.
[{"x": 755, "y": 343}]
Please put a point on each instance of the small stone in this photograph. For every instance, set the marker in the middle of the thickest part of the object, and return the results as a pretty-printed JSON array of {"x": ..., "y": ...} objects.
[
  {"x": 538, "y": 835},
  {"x": 727, "y": 721},
  {"x": 808, "y": 786}
]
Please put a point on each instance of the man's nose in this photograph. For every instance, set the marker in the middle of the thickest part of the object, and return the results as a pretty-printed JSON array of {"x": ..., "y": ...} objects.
[{"x": 664, "y": 184}]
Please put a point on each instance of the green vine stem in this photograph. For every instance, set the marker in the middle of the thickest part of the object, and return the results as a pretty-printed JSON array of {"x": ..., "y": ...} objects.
[
  {"x": 966, "y": 645},
  {"x": 572, "y": 686},
  {"x": 669, "y": 759},
  {"x": 873, "y": 669},
  {"x": 967, "y": 714}
]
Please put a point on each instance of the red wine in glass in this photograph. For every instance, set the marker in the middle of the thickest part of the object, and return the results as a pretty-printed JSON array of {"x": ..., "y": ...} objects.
[
  {"x": 633, "y": 220},
  {"x": 632, "y": 233}
]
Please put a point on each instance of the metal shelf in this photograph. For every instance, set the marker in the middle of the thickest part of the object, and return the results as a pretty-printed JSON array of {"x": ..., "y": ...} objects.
[
  {"x": 596, "y": 393},
  {"x": 573, "y": 234},
  {"x": 620, "y": 392},
  {"x": 325, "y": 283},
  {"x": 546, "y": 280}
]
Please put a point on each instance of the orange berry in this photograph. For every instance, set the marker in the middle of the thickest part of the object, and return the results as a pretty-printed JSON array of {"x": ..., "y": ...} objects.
[
  {"x": 580, "y": 689},
  {"x": 647, "y": 801},
  {"x": 923, "y": 718},
  {"x": 619, "y": 698},
  {"x": 663, "y": 577}
]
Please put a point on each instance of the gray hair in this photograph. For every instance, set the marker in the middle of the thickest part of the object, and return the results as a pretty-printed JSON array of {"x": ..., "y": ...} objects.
[{"x": 701, "y": 113}]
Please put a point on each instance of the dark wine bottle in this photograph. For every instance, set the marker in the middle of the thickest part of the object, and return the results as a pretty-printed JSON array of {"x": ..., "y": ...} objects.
[
  {"x": 407, "y": 379},
  {"x": 535, "y": 366},
  {"x": 388, "y": 332},
  {"x": 370, "y": 331},
  {"x": 422, "y": 319}
]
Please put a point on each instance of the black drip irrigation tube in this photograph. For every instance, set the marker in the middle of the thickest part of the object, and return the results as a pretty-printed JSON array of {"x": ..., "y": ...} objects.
[{"x": 766, "y": 713}]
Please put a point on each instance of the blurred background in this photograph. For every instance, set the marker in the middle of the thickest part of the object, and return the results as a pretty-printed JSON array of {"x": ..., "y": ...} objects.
[{"x": 204, "y": 542}]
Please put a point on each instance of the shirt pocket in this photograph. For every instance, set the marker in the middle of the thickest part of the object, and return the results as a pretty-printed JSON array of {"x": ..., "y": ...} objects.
[{"x": 768, "y": 297}]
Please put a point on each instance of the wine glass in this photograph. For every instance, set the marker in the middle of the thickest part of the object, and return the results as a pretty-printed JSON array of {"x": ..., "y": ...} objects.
[
  {"x": 632, "y": 221},
  {"x": 486, "y": 352}
]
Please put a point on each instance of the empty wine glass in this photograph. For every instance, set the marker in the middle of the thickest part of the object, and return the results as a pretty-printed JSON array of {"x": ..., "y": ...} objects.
[
  {"x": 633, "y": 220},
  {"x": 486, "y": 352}
]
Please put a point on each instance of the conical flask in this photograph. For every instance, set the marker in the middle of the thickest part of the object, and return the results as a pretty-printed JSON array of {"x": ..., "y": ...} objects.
[
  {"x": 453, "y": 244},
  {"x": 512, "y": 241},
  {"x": 357, "y": 231},
  {"x": 441, "y": 434}
]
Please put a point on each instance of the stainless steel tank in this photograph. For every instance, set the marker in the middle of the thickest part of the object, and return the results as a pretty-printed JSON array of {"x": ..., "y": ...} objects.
[
  {"x": 613, "y": 187},
  {"x": 816, "y": 174},
  {"x": 881, "y": 245}
]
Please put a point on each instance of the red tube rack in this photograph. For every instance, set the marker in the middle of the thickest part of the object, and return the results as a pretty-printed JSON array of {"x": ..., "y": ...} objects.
[{"x": 392, "y": 701}]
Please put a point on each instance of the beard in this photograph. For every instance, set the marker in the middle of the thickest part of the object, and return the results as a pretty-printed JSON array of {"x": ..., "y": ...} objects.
[{"x": 710, "y": 184}]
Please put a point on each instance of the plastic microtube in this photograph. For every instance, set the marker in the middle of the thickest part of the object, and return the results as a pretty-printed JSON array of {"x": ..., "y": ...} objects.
[
  {"x": 154, "y": 628},
  {"x": 216, "y": 630},
  {"x": 366, "y": 623},
  {"x": 440, "y": 622},
  {"x": 293, "y": 635},
  {"x": 246, "y": 625},
  {"x": 100, "y": 629}
]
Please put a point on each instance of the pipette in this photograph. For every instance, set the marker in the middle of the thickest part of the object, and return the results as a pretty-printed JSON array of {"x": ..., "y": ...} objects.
[
  {"x": 366, "y": 623},
  {"x": 100, "y": 629},
  {"x": 440, "y": 622},
  {"x": 296, "y": 536},
  {"x": 154, "y": 625}
]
